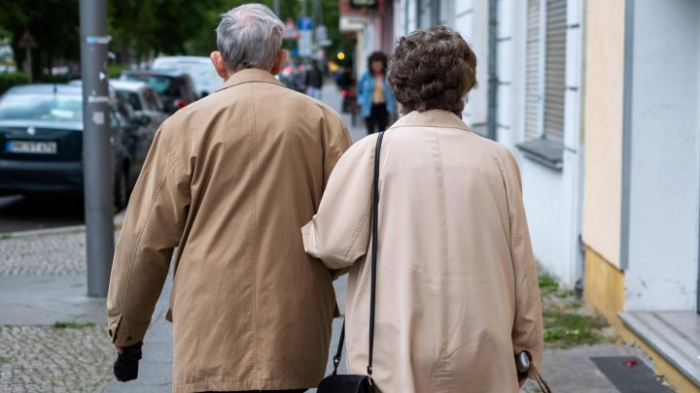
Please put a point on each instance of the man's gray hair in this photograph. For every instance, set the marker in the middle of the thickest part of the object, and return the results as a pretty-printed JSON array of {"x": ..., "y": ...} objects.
[{"x": 249, "y": 36}]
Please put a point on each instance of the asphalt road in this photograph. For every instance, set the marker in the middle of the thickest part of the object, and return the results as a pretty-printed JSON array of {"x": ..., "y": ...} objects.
[{"x": 19, "y": 213}]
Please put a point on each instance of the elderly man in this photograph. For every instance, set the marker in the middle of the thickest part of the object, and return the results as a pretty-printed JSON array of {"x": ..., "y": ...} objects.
[{"x": 230, "y": 180}]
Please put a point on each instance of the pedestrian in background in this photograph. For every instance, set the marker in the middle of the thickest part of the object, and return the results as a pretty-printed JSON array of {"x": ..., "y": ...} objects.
[
  {"x": 374, "y": 95},
  {"x": 229, "y": 180},
  {"x": 314, "y": 81},
  {"x": 457, "y": 294}
]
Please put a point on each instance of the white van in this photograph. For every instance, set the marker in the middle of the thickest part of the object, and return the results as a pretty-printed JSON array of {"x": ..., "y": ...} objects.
[{"x": 200, "y": 69}]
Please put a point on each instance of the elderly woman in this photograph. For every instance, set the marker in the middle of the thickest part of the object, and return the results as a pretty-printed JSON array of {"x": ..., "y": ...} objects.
[{"x": 457, "y": 294}]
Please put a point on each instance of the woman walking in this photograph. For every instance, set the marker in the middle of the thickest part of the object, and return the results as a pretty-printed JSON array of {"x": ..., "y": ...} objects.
[
  {"x": 457, "y": 294},
  {"x": 374, "y": 95}
]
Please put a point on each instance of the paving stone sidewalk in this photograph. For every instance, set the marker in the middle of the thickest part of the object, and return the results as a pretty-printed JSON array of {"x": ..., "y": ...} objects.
[{"x": 52, "y": 337}]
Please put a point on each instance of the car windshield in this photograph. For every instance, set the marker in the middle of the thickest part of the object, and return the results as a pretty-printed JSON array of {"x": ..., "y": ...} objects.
[
  {"x": 161, "y": 84},
  {"x": 204, "y": 75},
  {"x": 41, "y": 106},
  {"x": 131, "y": 98}
]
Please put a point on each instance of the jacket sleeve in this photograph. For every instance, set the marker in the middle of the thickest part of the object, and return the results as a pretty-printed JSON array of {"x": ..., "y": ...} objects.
[
  {"x": 527, "y": 326},
  {"x": 340, "y": 142},
  {"x": 339, "y": 233},
  {"x": 152, "y": 228},
  {"x": 360, "y": 88}
]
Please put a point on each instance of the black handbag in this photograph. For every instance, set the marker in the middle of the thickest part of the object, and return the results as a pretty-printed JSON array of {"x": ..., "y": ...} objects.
[{"x": 360, "y": 383}]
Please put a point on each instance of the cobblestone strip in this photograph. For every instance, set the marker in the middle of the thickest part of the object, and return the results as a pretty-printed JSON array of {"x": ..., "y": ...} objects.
[
  {"x": 48, "y": 359},
  {"x": 56, "y": 254}
]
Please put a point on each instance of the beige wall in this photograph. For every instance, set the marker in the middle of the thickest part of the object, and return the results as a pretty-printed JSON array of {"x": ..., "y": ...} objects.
[{"x": 603, "y": 98}]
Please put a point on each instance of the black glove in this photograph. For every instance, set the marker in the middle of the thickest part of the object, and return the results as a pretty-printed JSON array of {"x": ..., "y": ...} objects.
[{"x": 126, "y": 367}]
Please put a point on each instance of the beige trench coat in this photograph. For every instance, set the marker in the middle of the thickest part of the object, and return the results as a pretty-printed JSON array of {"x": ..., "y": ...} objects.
[
  {"x": 457, "y": 292},
  {"x": 230, "y": 180}
]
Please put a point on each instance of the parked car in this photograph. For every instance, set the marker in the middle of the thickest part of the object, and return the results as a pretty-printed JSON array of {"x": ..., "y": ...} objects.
[
  {"x": 143, "y": 100},
  {"x": 200, "y": 69},
  {"x": 175, "y": 87},
  {"x": 292, "y": 76},
  {"x": 41, "y": 140}
]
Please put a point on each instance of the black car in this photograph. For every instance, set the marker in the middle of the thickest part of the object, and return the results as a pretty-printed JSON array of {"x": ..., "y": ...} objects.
[
  {"x": 41, "y": 142},
  {"x": 175, "y": 87}
]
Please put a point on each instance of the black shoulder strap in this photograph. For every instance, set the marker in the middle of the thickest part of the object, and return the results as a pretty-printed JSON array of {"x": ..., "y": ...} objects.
[
  {"x": 375, "y": 242},
  {"x": 373, "y": 289}
]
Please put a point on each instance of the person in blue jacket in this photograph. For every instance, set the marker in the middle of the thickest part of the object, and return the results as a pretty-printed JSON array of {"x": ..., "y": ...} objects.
[{"x": 374, "y": 94}]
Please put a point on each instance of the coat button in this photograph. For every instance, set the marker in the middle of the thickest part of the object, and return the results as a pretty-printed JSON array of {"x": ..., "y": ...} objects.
[{"x": 129, "y": 338}]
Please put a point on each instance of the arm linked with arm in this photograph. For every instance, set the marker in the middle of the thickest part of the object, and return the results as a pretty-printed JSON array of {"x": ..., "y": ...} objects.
[
  {"x": 339, "y": 233},
  {"x": 152, "y": 228}
]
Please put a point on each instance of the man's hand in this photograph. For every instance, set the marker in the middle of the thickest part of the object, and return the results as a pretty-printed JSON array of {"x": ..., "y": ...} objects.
[{"x": 126, "y": 367}]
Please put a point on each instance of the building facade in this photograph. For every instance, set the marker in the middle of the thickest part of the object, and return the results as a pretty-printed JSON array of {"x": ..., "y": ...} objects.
[
  {"x": 529, "y": 72},
  {"x": 642, "y": 181}
]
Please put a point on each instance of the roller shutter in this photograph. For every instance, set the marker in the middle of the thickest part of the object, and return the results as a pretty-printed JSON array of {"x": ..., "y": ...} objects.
[
  {"x": 555, "y": 72},
  {"x": 532, "y": 69}
]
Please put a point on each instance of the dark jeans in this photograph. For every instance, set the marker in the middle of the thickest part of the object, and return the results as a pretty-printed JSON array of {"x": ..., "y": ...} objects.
[
  {"x": 378, "y": 119},
  {"x": 265, "y": 391}
]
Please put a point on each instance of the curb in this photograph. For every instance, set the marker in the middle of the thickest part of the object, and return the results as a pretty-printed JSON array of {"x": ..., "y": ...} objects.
[{"x": 118, "y": 220}]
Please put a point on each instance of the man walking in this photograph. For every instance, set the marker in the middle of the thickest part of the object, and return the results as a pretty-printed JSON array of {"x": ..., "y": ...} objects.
[
  {"x": 314, "y": 81},
  {"x": 230, "y": 180}
]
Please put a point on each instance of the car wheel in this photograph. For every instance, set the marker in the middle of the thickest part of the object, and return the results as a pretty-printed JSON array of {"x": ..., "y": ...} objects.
[{"x": 121, "y": 190}]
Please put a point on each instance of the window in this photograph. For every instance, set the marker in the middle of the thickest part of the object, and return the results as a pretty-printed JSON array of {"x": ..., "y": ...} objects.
[
  {"x": 545, "y": 84},
  {"x": 132, "y": 99},
  {"x": 42, "y": 106},
  {"x": 555, "y": 72},
  {"x": 153, "y": 101}
]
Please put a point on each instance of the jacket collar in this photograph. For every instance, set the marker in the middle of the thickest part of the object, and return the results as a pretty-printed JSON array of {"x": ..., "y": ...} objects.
[
  {"x": 248, "y": 76},
  {"x": 432, "y": 118}
]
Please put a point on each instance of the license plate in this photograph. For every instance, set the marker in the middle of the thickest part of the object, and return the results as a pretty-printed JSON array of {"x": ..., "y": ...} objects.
[{"x": 31, "y": 147}]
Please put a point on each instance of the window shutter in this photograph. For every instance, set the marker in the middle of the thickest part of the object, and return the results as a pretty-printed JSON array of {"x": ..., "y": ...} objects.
[
  {"x": 532, "y": 69},
  {"x": 555, "y": 72}
]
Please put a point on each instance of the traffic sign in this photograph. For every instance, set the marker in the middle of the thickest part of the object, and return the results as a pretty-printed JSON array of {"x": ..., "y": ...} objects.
[
  {"x": 290, "y": 31},
  {"x": 321, "y": 33},
  {"x": 305, "y": 24},
  {"x": 27, "y": 41},
  {"x": 305, "y": 44}
]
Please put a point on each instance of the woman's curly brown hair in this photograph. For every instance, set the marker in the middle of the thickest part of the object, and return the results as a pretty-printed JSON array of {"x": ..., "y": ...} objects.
[{"x": 432, "y": 69}]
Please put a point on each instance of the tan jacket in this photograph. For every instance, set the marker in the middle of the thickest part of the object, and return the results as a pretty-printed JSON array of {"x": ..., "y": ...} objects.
[
  {"x": 230, "y": 180},
  {"x": 457, "y": 292}
]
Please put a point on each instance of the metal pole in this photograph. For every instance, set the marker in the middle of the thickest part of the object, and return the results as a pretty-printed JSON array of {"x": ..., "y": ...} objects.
[
  {"x": 492, "y": 114},
  {"x": 97, "y": 151},
  {"x": 276, "y": 6}
]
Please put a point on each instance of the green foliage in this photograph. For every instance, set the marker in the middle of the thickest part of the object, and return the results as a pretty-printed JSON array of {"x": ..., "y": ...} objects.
[
  {"x": 54, "y": 24},
  {"x": 5, "y": 360},
  {"x": 72, "y": 325},
  {"x": 53, "y": 79},
  {"x": 564, "y": 328},
  {"x": 564, "y": 294},
  {"x": 9, "y": 80},
  {"x": 139, "y": 27},
  {"x": 115, "y": 69},
  {"x": 547, "y": 284}
]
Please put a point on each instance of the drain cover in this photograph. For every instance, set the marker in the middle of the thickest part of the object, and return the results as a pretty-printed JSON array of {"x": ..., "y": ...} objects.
[{"x": 629, "y": 375}]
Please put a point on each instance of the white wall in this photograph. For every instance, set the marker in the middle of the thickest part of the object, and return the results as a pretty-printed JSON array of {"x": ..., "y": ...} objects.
[
  {"x": 552, "y": 198},
  {"x": 663, "y": 230},
  {"x": 471, "y": 21},
  {"x": 412, "y": 17}
]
